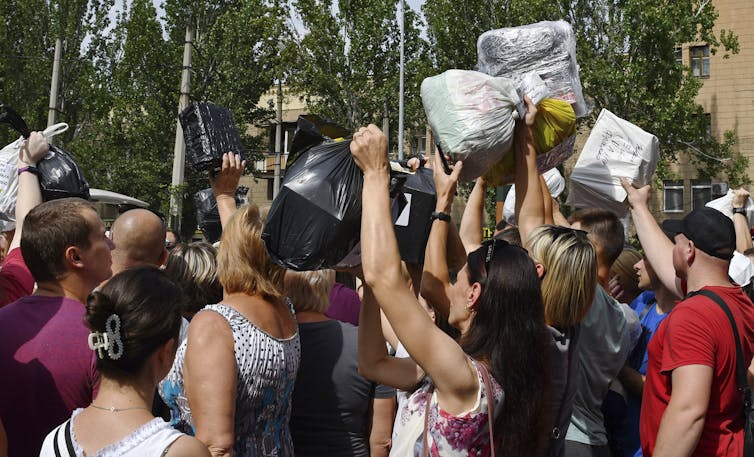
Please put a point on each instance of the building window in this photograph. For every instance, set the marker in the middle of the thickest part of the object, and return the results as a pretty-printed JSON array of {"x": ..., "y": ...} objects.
[
  {"x": 679, "y": 55},
  {"x": 700, "y": 61},
  {"x": 703, "y": 192},
  {"x": 672, "y": 196}
]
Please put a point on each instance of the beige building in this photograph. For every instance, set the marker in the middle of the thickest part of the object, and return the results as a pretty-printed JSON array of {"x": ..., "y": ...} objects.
[{"x": 728, "y": 100}]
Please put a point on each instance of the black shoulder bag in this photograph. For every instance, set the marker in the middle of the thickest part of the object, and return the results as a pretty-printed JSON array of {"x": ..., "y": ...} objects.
[{"x": 743, "y": 386}]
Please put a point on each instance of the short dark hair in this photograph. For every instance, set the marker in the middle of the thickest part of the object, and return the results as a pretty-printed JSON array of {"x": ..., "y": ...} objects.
[
  {"x": 605, "y": 230},
  {"x": 148, "y": 305},
  {"x": 48, "y": 230}
]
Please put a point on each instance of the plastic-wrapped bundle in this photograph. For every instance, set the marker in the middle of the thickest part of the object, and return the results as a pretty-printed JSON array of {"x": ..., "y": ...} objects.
[
  {"x": 315, "y": 220},
  {"x": 547, "y": 48},
  {"x": 209, "y": 131},
  {"x": 472, "y": 115},
  {"x": 207, "y": 214},
  {"x": 555, "y": 184},
  {"x": 615, "y": 149},
  {"x": 554, "y": 137}
]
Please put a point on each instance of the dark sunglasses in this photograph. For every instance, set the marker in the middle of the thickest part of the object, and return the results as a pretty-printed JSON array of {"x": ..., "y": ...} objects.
[
  {"x": 491, "y": 246},
  {"x": 558, "y": 230}
]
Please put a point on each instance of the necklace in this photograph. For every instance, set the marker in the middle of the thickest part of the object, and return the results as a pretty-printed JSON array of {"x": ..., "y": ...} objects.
[{"x": 113, "y": 409}]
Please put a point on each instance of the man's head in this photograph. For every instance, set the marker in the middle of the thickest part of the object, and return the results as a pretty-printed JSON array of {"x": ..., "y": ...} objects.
[
  {"x": 605, "y": 232},
  {"x": 171, "y": 239},
  {"x": 139, "y": 237},
  {"x": 63, "y": 237},
  {"x": 705, "y": 234},
  {"x": 648, "y": 279}
]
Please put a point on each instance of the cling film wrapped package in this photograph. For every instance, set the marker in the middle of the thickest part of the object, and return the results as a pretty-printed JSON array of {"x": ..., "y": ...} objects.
[
  {"x": 545, "y": 48},
  {"x": 554, "y": 136},
  {"x": 315, "y": 220},
  {"x": 615, "y": 149},
  {"x": 473, "y": 116},
  {"x": 209, "y": 131}
]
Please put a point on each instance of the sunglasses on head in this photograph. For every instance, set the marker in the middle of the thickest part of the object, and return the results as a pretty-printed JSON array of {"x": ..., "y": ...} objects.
[
  {"x": 558, "y": 230},
  {"x": 491, "y": 246}
]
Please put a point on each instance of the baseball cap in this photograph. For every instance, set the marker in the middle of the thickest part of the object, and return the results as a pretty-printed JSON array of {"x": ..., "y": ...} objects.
[{"x": 711, "y": 231}]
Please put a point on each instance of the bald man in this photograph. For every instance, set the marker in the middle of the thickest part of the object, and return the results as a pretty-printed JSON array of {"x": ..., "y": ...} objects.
[{"x": 139, "y": 238}]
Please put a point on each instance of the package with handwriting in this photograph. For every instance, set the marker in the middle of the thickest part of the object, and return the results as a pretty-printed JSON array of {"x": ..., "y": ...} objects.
[{"x": 615, "y": 149}]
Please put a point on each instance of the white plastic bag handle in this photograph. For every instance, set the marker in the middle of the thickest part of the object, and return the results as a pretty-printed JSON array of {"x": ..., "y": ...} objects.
[{"x": 55, "y": 129}]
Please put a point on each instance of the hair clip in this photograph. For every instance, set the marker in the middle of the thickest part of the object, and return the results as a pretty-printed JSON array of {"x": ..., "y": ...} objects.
[{"x": 109, "y": 340}]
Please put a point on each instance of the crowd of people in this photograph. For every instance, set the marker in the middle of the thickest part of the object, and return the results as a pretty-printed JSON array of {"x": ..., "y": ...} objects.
[{"x": 553, "y": 338}]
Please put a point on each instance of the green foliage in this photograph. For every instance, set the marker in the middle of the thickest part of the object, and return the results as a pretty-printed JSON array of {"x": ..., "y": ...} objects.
[{"x": 346, "y": 64}]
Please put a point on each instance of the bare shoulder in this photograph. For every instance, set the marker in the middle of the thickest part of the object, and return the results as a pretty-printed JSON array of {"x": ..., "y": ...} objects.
[
  {"x": 205, "y": 328},
  {"x": 187, "y": 446}
]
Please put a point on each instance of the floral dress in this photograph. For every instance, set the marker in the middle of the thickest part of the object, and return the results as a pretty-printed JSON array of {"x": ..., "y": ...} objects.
[{"x": 465, "y": 434}]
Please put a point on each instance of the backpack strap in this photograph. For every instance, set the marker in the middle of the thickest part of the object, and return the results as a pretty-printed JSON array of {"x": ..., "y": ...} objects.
[
  {"x": 743, "y": 386},
  {"x": 556, "y": 431}
]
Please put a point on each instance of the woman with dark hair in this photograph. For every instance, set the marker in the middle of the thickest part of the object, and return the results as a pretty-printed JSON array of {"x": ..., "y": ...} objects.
[
  {"x": 135, "y": 319},
  {"x": 457, "y": 409}
]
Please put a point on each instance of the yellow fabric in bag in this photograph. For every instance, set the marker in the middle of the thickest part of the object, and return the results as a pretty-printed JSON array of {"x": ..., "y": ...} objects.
[{"x": 555, "y": 122}]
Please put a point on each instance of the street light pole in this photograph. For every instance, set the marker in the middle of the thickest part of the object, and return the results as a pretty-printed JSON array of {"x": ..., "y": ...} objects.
[{"x": 400, "y": 96}]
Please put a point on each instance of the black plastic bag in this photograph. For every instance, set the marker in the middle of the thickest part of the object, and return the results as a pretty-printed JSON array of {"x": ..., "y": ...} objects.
[
  {"x": 209, "y": 131},
  {"x": 312, "y": 130},
  {"x": 315, "y": 220},
  {"x": 207, "y": 214},
  {"x": 12, "y": 118},
  {"x": 60, "y": 176},
  {"x": 415, "y": 209}
]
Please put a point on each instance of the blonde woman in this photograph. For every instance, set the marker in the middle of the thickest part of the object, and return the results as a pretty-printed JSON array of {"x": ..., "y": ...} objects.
[{"x": 232, "y": 381}]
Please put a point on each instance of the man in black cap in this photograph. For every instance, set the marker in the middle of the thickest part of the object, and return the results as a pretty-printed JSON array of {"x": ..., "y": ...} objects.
[{"x": 691, "y": 405}]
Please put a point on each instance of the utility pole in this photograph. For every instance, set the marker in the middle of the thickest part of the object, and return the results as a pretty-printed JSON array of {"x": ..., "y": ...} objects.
[
  {"x": 400, "y": 96},
  {"x": 55, "y": 84},
  {"x": 386, "y": 123},
  {"x": 179, "y": 154},
  {"x": 278, "y": 140}
]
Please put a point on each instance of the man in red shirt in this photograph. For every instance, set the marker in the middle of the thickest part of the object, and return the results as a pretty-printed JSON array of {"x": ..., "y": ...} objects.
[{"x": 691, "y": 405}]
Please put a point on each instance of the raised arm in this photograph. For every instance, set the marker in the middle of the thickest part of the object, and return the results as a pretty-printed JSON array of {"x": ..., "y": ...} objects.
[
  {"x": 435, "y": 283},
  {"x": 741, "y": 221},
  {"x": 456, "y": 383},
  {"x": 657, "y": 247},
  {"x": 29, "y": 193},
  {"x": 225, "y": 183},
  {"x": 471, "y": 222},
  {"x": 530, "y": 208},
  {"x": 374, "y": 362}
]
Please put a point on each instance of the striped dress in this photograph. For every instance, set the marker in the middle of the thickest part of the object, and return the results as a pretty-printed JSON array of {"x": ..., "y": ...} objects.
[{"x": 266, "y": 373}]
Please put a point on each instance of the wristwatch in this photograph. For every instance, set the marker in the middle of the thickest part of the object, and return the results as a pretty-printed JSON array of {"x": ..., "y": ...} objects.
[
  {"x": 739, "y": 211},
  {"x": 445, "y": 217}
]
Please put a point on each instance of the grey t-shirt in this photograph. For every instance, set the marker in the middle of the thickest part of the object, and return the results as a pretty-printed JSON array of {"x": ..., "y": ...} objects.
[
  {"x": 331, "y": 400},
  {"x": 604, "y": 344}
]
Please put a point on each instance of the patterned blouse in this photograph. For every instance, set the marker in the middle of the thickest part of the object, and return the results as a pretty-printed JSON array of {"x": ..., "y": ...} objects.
[
  {"x": 267, "y": 369},
  {"x": 461, "y": 435}
]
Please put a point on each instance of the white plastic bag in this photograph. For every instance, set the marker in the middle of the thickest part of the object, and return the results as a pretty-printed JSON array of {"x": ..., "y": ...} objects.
[
  {"x": 546, "y": 48},
  {"x": 724, "y": 204},
  {"x": 9, "y": 177},
  {"x": 555, "y": 184},
  {"x": 615, "y": 149},
  {"x": 473, "y": 116}
]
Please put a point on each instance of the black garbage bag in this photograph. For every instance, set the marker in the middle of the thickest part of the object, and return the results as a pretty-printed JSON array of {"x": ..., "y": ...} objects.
[
  {"x": 312, "y": 130},
  {"x": 315, "y": 220},
  {"x": 413, "y": 223},
  {"x": 12, "y": 118},
  {"x": 209, "y": 131},
  {"x": 60, "y": 176},
  {"x": 207, "y": 214}
]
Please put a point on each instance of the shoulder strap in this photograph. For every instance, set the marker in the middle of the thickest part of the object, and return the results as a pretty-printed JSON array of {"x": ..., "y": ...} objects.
[
  {"x": 67, "y": 436},
  {"x": 490, "y": 409},
  {"x": 740, "y": 370},
  {"x": 555, "y": 433},
  {"x": 425, "y": 443}
]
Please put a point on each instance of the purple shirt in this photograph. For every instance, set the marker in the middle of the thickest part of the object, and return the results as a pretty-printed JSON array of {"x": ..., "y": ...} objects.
[
  {"x": 47, "y": 368},
  {"x": 344, "y": 304}
]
